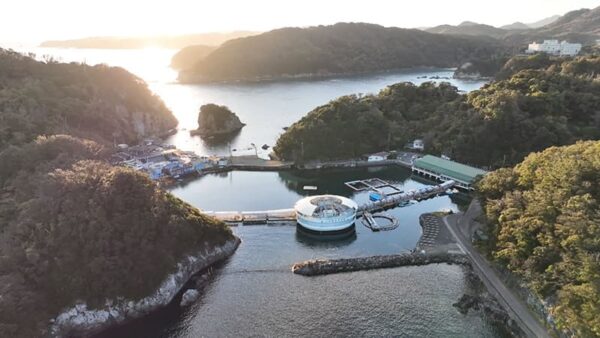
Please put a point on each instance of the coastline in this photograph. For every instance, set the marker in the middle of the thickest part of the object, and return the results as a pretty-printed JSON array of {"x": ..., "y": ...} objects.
[
  {"x": 192, "y": 78},
  {"x": 79, "y": 320}
]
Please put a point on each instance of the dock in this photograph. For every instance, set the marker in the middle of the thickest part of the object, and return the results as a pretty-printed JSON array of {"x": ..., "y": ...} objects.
[
  {"x": 251, "y": 162},
  {"x": 278, "y": 216},
  {"x": 404, "y": 198},
  {"x": 288, "y": 216}
]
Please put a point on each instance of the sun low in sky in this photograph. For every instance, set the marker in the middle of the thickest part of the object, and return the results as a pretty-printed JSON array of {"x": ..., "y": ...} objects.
[{"x": 32, "y": 21}]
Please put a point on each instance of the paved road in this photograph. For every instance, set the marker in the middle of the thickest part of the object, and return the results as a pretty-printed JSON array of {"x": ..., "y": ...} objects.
[{"x": 517, "y": 310}]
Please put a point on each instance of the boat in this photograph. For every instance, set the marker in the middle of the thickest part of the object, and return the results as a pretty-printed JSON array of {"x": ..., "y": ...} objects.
[
  {"x": 309, "y": 187},
  {"x": 375, "y": 196}
]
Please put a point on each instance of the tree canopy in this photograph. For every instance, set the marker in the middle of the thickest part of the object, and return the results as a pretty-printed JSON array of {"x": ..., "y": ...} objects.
[
  {"x": 72, "y": 227},
  {"x": 549, "y": 102},
  {"x": 343, "y": 48},
  {"x": 545, "y": 226},
  {"x": 106, "y": 104}
]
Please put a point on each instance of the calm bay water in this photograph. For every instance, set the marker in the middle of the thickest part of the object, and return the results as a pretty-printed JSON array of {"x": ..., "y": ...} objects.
[
  {"x": 254, "y": 293},
  {"x": 265, "y": 107}
]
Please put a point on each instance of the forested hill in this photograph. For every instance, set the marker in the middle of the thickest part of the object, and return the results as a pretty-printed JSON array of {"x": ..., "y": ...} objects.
[
  {"x": 581, "y": 26},
  {"x": 102, "y": 103},
  {"x": 74, "y": 229},
  {"x": 541, "y": 103},
  {"x": 545, "y": 226},
  {"x": 343, "y": 48},
  {"x": 469, "y": 28},
  {"x": 188, "y": 57}
]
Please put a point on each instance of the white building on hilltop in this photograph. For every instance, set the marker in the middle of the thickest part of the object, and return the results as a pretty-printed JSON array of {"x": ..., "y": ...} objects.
[{"x": 554, "y": 47}]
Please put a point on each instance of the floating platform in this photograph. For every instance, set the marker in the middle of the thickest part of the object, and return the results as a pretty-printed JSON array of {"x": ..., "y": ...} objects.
[
  {"x": 376, "y": 185},
  {"x": 370, "y": 221}
]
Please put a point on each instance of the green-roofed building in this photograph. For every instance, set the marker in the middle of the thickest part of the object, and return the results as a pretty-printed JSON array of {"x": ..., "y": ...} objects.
[{"x": 445, "y": 170}]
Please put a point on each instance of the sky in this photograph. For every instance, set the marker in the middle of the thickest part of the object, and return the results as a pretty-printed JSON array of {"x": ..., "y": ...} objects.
[{"x": 33, "y": 21}]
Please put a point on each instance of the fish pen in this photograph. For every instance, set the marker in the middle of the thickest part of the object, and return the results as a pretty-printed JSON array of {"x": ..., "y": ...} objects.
[{"x": 370, "y": 221}]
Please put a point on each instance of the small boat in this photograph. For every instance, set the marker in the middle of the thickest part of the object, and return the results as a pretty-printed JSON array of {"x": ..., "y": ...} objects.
[
  {"x": 374, "y": 197},
  {"x": 309, "y": 187}
]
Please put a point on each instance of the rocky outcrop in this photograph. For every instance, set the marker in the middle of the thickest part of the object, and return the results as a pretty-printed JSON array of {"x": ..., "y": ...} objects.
[
  {"x": 189, "y": 297},
  {"x": 80, "y": 320},
  {"x": 214, "y": 120},
  {"x": 491, "y": 309},
  {"x": 329, "y": 266}
]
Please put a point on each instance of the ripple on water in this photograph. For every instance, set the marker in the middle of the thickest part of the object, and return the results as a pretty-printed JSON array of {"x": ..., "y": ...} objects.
[{"x": 409, "y": 302}]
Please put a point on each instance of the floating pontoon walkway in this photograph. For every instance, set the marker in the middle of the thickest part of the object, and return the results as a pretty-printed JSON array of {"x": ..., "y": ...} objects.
[
  {"x": 287, "y": 216},
  {"x": 405, "y": 198},
  {"x": 279, "y": 216}
]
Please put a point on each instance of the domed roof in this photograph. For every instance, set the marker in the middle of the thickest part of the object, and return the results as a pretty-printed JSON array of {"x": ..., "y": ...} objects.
[{"x": 323, "y": 206}]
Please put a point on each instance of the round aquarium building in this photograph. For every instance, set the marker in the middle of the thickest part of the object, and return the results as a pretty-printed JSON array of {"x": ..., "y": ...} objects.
[{"x": 326, "y": 214}]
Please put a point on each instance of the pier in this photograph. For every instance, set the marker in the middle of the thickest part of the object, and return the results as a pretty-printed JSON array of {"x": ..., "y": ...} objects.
[
  {"x": 288, "y": 216},
  {"x": 277, "y": 216},
  {"x": 404, "y": 198}
]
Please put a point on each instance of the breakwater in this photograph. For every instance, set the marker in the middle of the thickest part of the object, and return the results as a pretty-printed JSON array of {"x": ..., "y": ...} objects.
[{"x": 316, "y": 267}]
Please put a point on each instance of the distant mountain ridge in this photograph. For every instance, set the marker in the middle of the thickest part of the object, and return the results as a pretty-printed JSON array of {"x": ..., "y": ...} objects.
[
  {"x": 174, "y": 42},
  {"x": 581, "y": 25},
  {"x": 469, "y": 28},
  {"x": 544, "y": 22},
  {"x": 583, "y": 21},
  {"x": 515, "y": 26},
  {"x": 343, "y": 48}
]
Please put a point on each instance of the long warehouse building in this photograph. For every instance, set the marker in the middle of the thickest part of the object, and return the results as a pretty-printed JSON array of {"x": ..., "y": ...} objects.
[{"x": 445, "y": 170}]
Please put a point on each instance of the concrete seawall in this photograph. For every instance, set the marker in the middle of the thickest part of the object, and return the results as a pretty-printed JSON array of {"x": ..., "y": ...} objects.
[{"x": 316, "y": 267}]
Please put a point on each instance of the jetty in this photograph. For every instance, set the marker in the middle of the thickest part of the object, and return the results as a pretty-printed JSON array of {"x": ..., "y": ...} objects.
[
  {"x": 277, "y": 216},
  {"x": 315, "y": 267}
]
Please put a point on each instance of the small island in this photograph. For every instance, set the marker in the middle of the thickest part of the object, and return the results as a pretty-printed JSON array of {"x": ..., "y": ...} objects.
[{"x": 215, "y": 120}]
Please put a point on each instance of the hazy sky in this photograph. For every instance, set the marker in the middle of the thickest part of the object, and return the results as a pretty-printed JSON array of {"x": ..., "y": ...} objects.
[{"x": 31, "y": 21}]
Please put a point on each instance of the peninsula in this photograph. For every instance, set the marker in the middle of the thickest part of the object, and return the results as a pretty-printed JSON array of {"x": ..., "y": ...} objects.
[
  {"x": 540, "y": 102},
  {"x": 86, "y": 245}
]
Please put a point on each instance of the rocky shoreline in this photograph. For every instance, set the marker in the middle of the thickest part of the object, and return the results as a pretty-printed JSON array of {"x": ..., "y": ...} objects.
[
  {"x": 81, "y": 321},
  {"x": 480, "y": 300}
]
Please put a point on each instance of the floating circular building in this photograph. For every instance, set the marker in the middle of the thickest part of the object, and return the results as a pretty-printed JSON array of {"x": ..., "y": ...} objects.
[{"x": 326, "y": 214}]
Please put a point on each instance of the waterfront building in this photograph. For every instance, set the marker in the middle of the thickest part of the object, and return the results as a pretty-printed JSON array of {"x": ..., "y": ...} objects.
[
  {"x": 326, "y": 214},
  {"x": 554, "y": 47},
  {"x": 446, "y": 170},
  {"x": 418, "y": 144},
  {"x": 381, "y": 156},
  {"x": 156, "y": 170}
]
